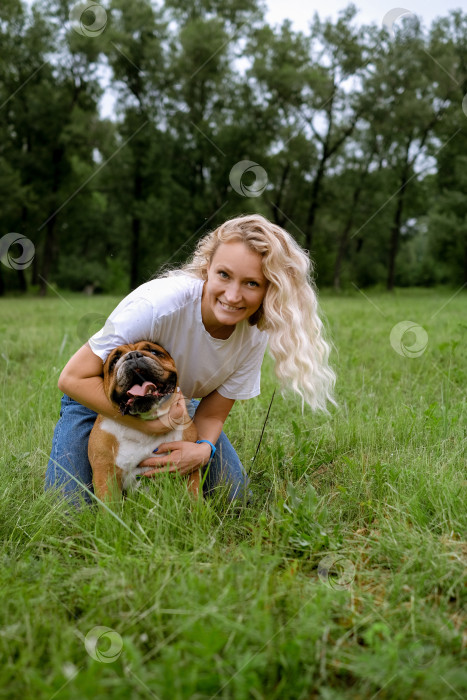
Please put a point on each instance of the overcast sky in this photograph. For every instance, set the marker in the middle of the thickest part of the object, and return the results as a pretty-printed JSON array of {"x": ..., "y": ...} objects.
[{"x": 301, "y": 11}]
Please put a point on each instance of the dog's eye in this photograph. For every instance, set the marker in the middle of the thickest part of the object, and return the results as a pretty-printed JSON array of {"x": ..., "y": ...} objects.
[
  {"x": 157, "y": 353},
  {"x": 114, "y": 361}
]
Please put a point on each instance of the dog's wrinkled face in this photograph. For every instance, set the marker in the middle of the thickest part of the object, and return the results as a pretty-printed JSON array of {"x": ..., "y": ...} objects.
[{"x": 139, "y": 378}]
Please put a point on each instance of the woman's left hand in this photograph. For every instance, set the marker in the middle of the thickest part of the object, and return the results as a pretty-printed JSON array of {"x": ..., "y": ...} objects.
[{"x": 184, "y": 457}]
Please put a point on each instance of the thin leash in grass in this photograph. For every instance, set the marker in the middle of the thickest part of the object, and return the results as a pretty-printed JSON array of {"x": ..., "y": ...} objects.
[{"x": 262, "y": 433}]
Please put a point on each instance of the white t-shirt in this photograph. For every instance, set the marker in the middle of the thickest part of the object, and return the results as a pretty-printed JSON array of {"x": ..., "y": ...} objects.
[{"x": 168, "y": 311}]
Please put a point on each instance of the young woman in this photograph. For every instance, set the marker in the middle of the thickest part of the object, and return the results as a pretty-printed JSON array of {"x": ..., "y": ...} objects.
[{"x": 247, "y": 284}]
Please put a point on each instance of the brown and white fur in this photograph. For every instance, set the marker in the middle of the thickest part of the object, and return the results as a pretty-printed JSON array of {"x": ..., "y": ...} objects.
[{"x": 140, "y": 379}]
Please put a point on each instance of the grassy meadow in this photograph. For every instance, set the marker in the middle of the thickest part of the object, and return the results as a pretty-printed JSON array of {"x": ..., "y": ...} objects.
[{"x": 344, "y": 578}]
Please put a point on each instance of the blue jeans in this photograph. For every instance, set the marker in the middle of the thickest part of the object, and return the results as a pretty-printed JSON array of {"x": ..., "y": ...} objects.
[{"x": 70, "y": 449}]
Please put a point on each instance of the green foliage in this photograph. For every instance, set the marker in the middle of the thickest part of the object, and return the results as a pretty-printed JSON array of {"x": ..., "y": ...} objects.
[
  {"x": 108, "y": 277},
  {"x": 361, "y": 136}
]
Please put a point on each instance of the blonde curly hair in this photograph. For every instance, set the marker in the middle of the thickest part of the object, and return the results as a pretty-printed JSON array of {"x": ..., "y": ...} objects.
[{"x": 289, "y": 311}]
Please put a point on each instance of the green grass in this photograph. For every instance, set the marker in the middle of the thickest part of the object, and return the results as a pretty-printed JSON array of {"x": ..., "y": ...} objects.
[{"x": 208, "y": 601}]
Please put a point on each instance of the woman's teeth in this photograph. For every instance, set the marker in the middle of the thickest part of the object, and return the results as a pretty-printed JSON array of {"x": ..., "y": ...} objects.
[{"x": 229, "y": 308}]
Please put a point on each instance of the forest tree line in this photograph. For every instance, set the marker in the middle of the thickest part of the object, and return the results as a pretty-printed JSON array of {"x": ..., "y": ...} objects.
[{"x": 351, "y": 137}]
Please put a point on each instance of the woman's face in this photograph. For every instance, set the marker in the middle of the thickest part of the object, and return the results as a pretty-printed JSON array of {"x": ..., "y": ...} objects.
[{"x": 234, "y": 289}]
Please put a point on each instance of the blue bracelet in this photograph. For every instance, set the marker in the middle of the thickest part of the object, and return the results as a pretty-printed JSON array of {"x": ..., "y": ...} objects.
[{"x": 213, "y": 449}]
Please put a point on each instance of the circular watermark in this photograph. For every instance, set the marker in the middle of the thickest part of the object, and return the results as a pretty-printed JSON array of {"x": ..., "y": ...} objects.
[
  {"x": 420, "y": 652},
  {"x": 94, "y": 324},
  {"x": 88, "y": 18},
  {"x": 464, "y": 105},
  {"x": 336, "y": 572},
  {"x": 391, "y": 17},
  {"x": 94, "y": 646},
  {"x": 254, "y": 189},
  {"x": 181, "y": 417},
  {"x": 409, "y": 339},
  {"x": 26, "y": 257}
]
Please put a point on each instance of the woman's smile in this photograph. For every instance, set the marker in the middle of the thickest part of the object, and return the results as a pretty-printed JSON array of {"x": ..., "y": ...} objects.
[{"x": 227, "y": 307}]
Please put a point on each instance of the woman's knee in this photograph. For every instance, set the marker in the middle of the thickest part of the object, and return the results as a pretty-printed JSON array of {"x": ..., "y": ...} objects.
[{"x": 68, "y": 465}]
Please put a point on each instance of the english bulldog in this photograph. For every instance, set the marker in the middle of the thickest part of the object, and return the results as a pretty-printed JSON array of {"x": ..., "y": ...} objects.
[{"x": 140, "y": 380}]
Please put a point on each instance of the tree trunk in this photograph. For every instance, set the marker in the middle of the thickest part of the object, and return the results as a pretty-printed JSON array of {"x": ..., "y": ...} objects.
[
  {"x": 348, "y": 227},
  {"x": 49, "y": 244},
  {"x": 136, "y": 230},
  {"x": 279, "y": 218},
  {"x": 314, "y": 200},
  {"x": 340, "y": 253},
  {"x": 465, "y": 257},
  {"x": 396, "y": 228},
  {"x": 345, "y": 233},
  {"x": 23, "y": 285},
  {"x": 49, "y": 248}
]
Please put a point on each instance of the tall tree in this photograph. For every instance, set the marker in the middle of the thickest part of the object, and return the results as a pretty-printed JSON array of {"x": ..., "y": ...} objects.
[
  {"x": 52, "y": 101},
  {"x": 448, "y": 215},
  {"x": 306, "y": 78},
  {"x": 409, "y": 96}
]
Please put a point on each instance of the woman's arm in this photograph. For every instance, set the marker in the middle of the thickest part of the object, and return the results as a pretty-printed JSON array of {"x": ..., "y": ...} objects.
[
  {"x": 82, "y": 380},
  {"x": 186, "y": 457},
  {"x": 210, "y": 416}
]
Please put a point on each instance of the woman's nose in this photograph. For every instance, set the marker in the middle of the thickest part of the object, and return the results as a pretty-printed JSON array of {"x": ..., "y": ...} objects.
[{"x": 233, "y": 293}]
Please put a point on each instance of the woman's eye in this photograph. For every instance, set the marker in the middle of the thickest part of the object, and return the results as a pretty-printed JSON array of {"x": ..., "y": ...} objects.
[
  {"x": 255, "y": 284},
  {"x": 222, "y": 273}
]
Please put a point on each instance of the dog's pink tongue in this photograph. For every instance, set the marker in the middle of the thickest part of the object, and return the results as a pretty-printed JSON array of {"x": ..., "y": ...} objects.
[{"x": 142, "y": 390}]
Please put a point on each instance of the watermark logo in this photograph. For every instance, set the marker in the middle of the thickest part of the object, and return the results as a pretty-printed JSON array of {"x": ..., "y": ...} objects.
[
  {"x": 95, "y": 324},
  {"x": 88, "y": 18},
  {"x": 408, "y": 339},
  {"x": 254, "y": 189},
  {"x": 177, "y": 416},
  {"x": 336, "y": 572},
  {"x": 26, "y": 257},
  {"x": 103, "y": 644},
  {"x": 391, "y": 17},
  {"x": 421, "y": 652}
]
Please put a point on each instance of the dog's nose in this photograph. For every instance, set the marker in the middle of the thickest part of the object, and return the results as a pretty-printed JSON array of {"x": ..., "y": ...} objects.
[{"x": 134, "y": 355}]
